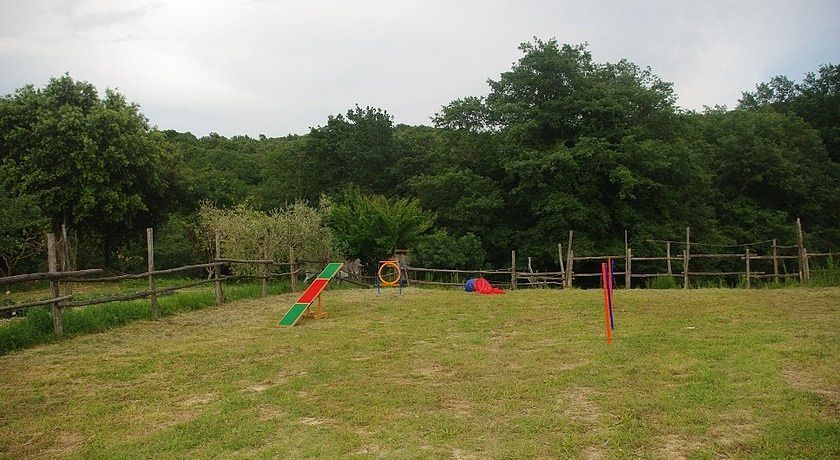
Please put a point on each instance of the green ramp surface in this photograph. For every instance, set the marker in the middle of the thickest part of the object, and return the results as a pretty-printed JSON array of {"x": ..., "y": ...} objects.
[{"x": 310, "y": 294}]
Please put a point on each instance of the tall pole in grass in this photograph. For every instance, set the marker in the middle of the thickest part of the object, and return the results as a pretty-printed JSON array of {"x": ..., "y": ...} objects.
[{"x": 150, "y": 263}]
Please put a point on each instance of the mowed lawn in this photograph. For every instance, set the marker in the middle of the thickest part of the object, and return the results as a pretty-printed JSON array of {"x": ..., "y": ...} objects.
[{"x": 444, "y": 374}]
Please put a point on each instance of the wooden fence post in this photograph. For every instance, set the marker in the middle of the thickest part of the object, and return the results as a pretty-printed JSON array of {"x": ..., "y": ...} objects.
[
  {"x": 293, "y": 267},
  {"x": 668, "y": 255},
  {"x": 747, "y": 258},
  {"x": 513, "y": 270},
  {"x": 562, "y": 266},
  {"x": 150, "y": 263},
  {"x": 52, "y": 263},
  {"x": 807, "y": 264},
  {"x": 628, "y": 268},
  {"x": 265, "y": 266},
  {"x": 800, "y": 244},
  {"x": 686, "y": 256},
  {"x": 217, "y": 270},
  {"x": 570, "y": 259},
  {"x": 66, "y": 263},
  {"x": 775, "y": 262}
]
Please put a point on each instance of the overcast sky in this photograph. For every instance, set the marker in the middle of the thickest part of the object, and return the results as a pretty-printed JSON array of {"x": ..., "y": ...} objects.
[{"x": 279, "y": 67}]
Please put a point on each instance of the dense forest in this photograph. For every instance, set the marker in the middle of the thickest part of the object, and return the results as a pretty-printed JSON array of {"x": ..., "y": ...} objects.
[{"x": 559, "y": 142}]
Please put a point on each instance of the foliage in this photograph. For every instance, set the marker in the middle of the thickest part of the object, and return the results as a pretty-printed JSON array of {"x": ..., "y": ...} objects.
[
  {"x": 243, "y": 231},
  {"x": 174, "y": 247},
  {"x": 372, "y": 227},
  {"x": 466, "y": 202},
  {"x": 825, "y": 274},
  {"x": 173, "y": 244},
  {"x": 441, "y": 250},
  {"x": 768, "y": 169},
  {"x": 661, "y": 282},
  {"x": 353, "y": 149},
  {"x": 816, "y": 99},
  {"x": 559, "y": 142},
  {"x": 92, "y": 163},
  {"x": 22, "y": 225}
]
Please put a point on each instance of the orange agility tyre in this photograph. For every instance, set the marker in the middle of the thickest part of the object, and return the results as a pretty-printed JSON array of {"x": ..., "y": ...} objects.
[{"x": 389, "y": 277}]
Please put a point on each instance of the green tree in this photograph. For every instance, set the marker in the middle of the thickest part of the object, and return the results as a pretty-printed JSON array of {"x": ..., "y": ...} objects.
[
  {"x": 22, "y": 226},
  {"x": 93, "y": 163},
  {"x": 372, "y": 227},
  {"x": 558, "y": 94},
  {"x": 816, "y": 99},
  {"x": 243, "y": 230},
  {"x": 465, "y": 201},
  {"x": 575, "y": 144},
  {"x": 441, "y": 250},
  {"x": 223, "y": 171},
  {"x": 283, "y": 180},
  {"x": 353, "y": 149},
  {"x": 770, "y": 168}
]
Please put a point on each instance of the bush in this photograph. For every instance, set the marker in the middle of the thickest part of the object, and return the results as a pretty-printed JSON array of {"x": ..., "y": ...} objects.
[
  {"x": 373, "y": 227},
  {"x": 441, "y": 250},
  {"x": 243, "y": 230}
]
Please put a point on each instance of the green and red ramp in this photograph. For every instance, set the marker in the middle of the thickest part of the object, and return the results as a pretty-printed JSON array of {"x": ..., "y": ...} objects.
[{"x": 309, "y": 295}]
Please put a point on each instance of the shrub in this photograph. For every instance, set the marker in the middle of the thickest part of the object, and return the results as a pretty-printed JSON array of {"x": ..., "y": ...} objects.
[
  {"x": 243, "y": 230},
  {"x": 441, "y": 250}
]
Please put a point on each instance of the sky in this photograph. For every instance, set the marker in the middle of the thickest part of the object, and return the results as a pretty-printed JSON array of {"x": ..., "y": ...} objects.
[{"x": 278, "y": 67}]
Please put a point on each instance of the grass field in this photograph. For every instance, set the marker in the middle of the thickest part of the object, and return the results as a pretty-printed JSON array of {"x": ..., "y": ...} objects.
[{"x": 698, "y": 374}]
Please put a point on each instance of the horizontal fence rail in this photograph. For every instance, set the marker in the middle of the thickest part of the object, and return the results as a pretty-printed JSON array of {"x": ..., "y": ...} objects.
[
  {"x": 59, "y": 279},
  {"x": 761, "y": 260},
  {"x": 753, "y": 265}
]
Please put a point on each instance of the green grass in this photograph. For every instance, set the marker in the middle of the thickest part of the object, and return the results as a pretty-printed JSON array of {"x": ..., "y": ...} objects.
[
  {"x": 825, "y": 274},
  {"x": 661, "y": 282},
  {"x": 36, "y": 326},
  {"x": 699, "y": 374}
]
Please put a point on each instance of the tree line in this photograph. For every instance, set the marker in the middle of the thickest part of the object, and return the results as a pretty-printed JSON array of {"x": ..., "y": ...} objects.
[{"x": 559, "y": 142}]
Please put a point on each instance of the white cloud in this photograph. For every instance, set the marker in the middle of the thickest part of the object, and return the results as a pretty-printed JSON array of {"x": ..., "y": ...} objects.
[{"x": 276, "y": 67}]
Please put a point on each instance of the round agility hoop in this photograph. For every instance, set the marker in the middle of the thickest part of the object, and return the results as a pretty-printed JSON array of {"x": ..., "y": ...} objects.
[{"x": 391, "y": 276}]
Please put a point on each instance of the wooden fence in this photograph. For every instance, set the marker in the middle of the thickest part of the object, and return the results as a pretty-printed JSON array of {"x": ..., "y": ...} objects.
[
  {"x": 679, "y": 266},
  {"x": 675, "y": 266},
  {"x": 62, "y": 278}
]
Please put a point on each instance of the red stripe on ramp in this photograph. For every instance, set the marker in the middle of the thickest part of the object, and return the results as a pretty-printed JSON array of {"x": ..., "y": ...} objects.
[{"x": 312, "y": 292}]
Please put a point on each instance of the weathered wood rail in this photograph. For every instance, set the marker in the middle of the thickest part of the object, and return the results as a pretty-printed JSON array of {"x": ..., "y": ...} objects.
[
  {"x": 56, "y": 278},
  {"x": 509, "y": 277},
  {"x": 567, "y": 274}
]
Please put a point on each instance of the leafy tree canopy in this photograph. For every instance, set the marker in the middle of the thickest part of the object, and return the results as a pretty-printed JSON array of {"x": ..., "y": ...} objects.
[
  {"x": 816, "y": 99},
  {"x": 93, "y": 163},
  {"x": 372, "y": 227}
]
